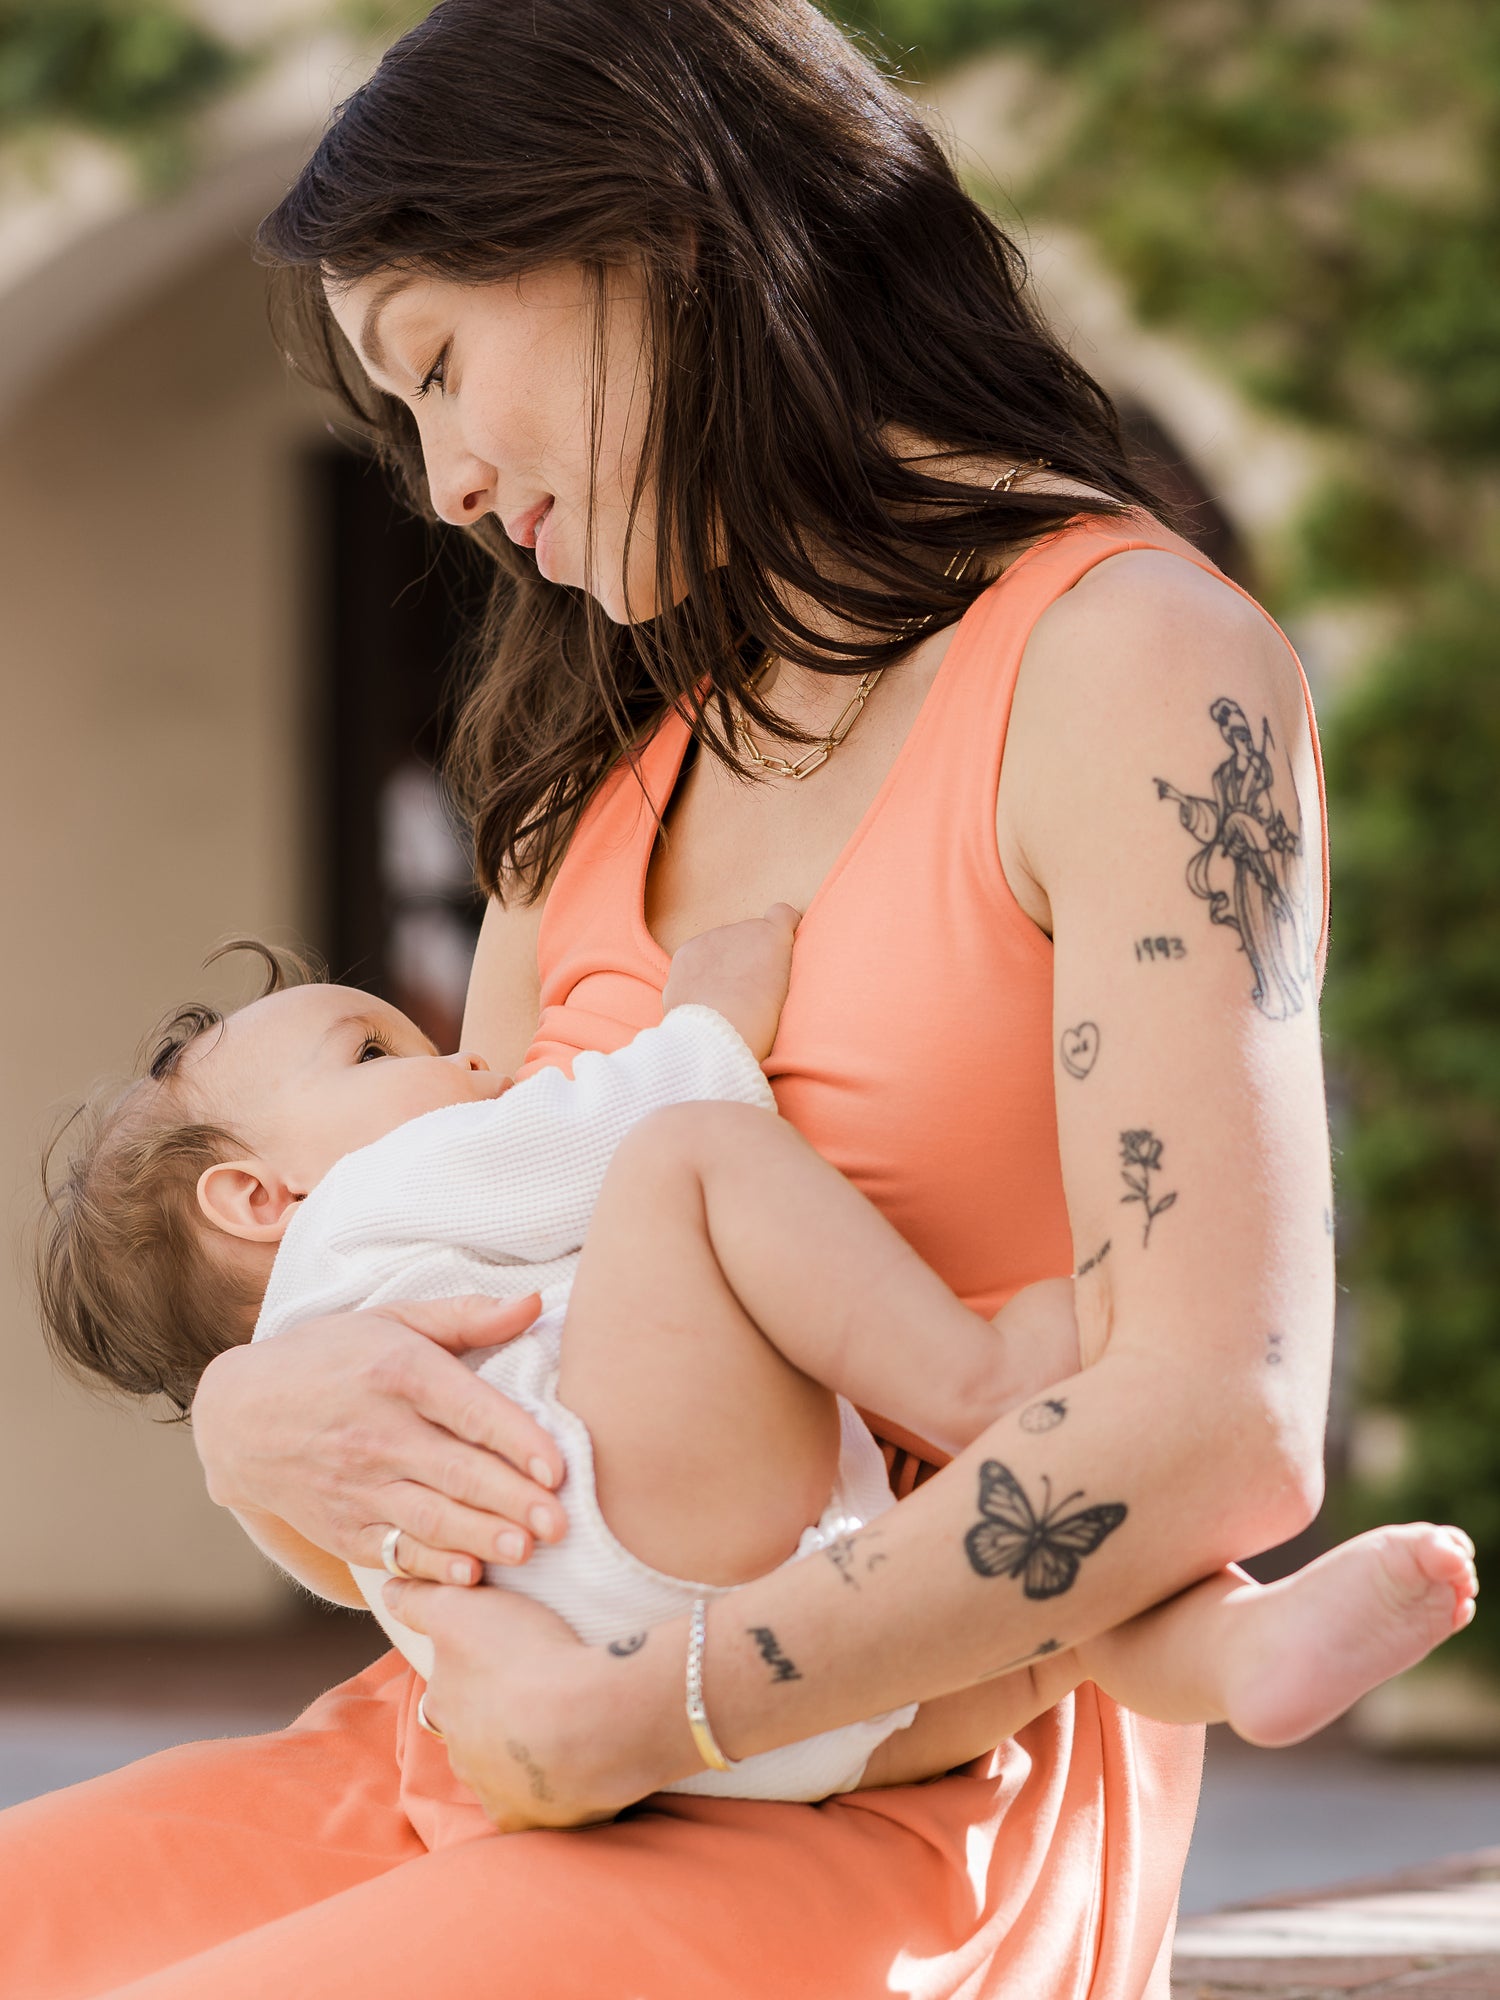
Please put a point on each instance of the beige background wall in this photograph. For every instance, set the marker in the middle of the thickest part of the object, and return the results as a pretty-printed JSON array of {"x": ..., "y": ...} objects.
[{"x": 154, "y": 796}]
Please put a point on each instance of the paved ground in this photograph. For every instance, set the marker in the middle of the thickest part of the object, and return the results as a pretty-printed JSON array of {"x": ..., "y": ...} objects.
[
  {"x": 1420, "y": 1935},
  {"x": 1285, "y": 1826}
]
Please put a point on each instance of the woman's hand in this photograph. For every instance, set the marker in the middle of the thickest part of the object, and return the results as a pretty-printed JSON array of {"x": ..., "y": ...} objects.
[
  {"x": 545, "y": 1730},
  {"x": 349, "y": 1426}
]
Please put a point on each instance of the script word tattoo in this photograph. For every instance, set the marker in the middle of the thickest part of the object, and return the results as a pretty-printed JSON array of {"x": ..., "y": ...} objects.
[
  {"x": 1274, "y": 1355},
  {"x": 1044, "y": 1549},
  {"x": 855, "y": 1558},
  {"x": 623, "y": 1648},
  {"x": 1093, "y": 1263},
  {"x": 1014, "y": 1666},
  {"x": 769, "y": 1647},
  {"x": 1043, "y": 1416},
  {"x": 536, "y": 1777},
  {"x": 1328, "y": 1222},
  {"x": 1140, "y": 1158},
  {"x": 1079, "y": 1048},
  {"x": 1149, "y": 950},
  {"x": 1249, "y": 865}
]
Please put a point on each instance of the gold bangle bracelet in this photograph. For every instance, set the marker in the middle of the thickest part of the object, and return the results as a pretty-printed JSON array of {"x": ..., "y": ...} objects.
[{"x": 697, "y": 1715}]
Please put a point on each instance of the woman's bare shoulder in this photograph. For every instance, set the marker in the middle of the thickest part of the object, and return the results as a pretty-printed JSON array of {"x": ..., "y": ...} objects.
[
  {"x": 1143, "y": 606},
  {"x": 1140, "y": 645},
  {"x": 1121, "y": 682}
]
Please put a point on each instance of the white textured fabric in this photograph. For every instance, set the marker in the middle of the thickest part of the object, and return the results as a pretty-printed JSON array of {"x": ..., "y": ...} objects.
[{"x": 495, "y": 1198}]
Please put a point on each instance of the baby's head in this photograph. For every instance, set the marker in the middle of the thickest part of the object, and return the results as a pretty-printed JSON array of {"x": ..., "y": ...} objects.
[{"x": 159, "y": 1238}]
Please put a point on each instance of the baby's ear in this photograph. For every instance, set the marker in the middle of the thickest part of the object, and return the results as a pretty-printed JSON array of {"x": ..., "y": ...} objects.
[{"x": 248, "y": 1199}]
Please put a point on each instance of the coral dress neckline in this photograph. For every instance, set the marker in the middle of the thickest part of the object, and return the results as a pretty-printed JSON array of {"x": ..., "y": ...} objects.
[{"x": 662, "y": 758}]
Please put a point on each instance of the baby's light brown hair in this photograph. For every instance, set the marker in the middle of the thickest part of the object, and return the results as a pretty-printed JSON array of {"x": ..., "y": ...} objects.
[{"x": 133, "y": 1288}]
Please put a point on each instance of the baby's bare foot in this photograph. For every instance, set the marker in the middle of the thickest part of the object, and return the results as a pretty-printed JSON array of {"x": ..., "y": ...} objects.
[{"x": 1315, "y": 1642}]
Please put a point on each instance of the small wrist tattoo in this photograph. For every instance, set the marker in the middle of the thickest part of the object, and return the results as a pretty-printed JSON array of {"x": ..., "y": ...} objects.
[{"x": 769, "y": 1648}]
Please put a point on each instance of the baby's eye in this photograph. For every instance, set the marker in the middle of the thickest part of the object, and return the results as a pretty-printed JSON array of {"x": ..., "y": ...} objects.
[{"x": 372, "y": 1046}]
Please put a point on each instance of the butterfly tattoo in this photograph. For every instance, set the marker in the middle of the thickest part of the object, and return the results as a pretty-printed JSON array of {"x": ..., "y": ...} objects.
[{"x": 1045, "y": 1549}]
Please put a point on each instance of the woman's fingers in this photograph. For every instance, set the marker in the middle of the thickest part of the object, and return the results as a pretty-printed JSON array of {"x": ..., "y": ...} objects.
[
  {"x": 347, "y": 1426},
  {"x": 474, "y": 1630},
  {"x": 433, "y": 1565},
  {"x": 463, "y": 1323},
  {"x": 429, "y": 1520},
  {"x": 415, "y": 1604},
  {"x": 469, "y": 1410},
  {"x": 506, "y": 1668}
]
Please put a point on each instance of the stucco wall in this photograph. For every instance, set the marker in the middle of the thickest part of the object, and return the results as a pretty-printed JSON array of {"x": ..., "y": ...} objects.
[{"x": 153, "y": 797}]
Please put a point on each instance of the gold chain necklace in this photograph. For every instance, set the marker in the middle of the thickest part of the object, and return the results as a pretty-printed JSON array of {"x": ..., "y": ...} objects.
[{"x": 818, "y": 754}]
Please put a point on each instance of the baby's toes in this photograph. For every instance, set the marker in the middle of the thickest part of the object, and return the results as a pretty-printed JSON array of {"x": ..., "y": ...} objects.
[
  {"x": 1447, "y": 1557},
  {"x": 1426, "y": 1573},
  {"x": 1453, "y": 1559},
  {"x": 1436, "y": 1554}
]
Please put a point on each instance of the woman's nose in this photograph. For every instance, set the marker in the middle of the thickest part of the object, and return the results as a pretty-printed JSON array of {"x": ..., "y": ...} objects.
[{"x": 461, "y": 484}]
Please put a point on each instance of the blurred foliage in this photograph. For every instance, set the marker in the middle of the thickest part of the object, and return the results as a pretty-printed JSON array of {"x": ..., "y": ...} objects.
[
  {"x": 1415, "y": 1015},
  {"x": 1310, "y": 190},
  {"x": 922, "y": 37},
  {"x": 131, "y": 70}
]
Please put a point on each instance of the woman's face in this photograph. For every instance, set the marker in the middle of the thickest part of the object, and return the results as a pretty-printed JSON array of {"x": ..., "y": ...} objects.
[{"x": 498, "y": 377}]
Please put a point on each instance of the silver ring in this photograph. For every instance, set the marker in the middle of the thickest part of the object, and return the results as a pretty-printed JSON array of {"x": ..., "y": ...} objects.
[
  {"x": 425, "y": 1720},
  {"x": 389, "y": 1559}
]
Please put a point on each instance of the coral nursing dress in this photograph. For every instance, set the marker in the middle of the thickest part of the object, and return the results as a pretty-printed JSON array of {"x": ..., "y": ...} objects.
[{"x": 339, "y": 1860}]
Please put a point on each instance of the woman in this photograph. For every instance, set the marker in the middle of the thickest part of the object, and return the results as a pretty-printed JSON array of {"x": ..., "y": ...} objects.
[{"x": 683, "y": 300}]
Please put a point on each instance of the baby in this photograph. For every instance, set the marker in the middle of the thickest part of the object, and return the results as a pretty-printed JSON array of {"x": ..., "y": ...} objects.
[{"x": 717, "y": 1301}]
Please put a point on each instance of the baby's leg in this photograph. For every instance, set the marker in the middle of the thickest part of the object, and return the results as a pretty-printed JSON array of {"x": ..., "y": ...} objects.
[
  {"x": 1275, "y": 1661},
  {"x": 958, "y": 1727},
  {"x": 1279, "y": 1661},
  {"x": 731, "y": 1279}
]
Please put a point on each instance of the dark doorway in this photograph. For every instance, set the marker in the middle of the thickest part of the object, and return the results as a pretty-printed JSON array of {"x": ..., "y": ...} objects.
[{"x": 400, "y": 912}]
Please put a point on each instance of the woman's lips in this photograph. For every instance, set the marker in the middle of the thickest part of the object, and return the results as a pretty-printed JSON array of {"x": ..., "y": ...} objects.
[
  {"x": 541, "y": 544},
  {"x": 523, "y": 529}
]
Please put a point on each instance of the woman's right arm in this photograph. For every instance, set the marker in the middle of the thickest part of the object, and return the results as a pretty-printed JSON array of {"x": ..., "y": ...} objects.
[{"x": 321, "y": 1440}]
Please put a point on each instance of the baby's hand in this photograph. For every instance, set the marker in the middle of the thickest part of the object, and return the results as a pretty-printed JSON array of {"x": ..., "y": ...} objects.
[{"x": 741, "y": 971}]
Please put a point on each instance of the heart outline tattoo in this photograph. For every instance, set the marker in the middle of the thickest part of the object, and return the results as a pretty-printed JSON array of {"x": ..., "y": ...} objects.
[{"x": 1078, "y": 1050}]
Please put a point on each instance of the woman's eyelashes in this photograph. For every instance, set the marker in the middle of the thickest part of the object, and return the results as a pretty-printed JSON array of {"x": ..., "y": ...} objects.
[{"x": 436, "y": 376}]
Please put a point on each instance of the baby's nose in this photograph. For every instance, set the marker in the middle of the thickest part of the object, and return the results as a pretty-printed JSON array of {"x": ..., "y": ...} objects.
[{"x": 467, "y": 1061}]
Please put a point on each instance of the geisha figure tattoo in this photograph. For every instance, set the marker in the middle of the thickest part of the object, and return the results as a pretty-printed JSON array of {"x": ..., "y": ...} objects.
[{"x": 1250, "y": 867}]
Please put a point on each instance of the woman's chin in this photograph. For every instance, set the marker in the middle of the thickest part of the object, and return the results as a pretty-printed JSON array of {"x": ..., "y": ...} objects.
[{"x": 635, "y": 607}]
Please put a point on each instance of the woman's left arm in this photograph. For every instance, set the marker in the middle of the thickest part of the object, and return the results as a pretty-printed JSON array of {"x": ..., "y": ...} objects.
[{"x": 1160, "y": 817}]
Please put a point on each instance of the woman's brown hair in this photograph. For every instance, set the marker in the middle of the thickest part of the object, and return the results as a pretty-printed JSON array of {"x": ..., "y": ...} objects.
[{"x": 814, "y": 272}]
